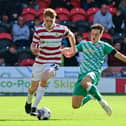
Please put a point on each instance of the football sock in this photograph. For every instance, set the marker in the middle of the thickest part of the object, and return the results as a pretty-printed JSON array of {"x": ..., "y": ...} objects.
[
  {"x": 92, "y": 89},
  {"x": 39, "y": 94},
  {"x": 29, "y": 98},
  {"x": 86, "y": 99}
]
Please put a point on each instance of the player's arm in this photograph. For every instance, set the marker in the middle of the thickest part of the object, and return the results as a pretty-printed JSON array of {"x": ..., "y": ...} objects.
[
  {"x": 34, "y": 49},
  {"x": 67, "y": 52},
  {"x": 35, "y": 44},
  {"x": 72, "y": 41},
  {"x": 120, "y": 56}
]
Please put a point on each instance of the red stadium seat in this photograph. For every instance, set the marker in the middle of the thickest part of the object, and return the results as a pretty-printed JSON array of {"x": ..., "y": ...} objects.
[
  {"x": 86, "y": 36},
  {"x": 90, "y": 19},
  {"x": 44, "y": 3},
  {"x": 112, "y": 10},
  {"x": 4, "y": 35},
  {"x": 77, "y": 14},
  {"x": 40, "y": 13},
  {"x": 90, "y": 13},
  {"x": 62, "y": 13},
  {"x": 28, "y": 14},
  {"x": 75, "y": 3},
  {"x": 107, "y": 36},
  {"x": 26, "y": 62}
]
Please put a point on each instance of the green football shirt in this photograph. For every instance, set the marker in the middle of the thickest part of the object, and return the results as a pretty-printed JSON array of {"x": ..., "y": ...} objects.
[{"x": 93, "y": 55}]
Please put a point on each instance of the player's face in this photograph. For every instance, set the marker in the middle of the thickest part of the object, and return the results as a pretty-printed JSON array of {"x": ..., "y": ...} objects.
[
  {"x": 49, "y": 22},
  {"x": 95, "y": 35}
]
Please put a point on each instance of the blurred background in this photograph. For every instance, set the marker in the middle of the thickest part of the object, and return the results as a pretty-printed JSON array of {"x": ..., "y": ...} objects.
[{"x": 20, "y": 18}]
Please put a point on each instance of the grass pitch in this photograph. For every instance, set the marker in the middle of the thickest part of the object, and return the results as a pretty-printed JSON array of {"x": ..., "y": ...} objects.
[{"x": 12, "y": 112}]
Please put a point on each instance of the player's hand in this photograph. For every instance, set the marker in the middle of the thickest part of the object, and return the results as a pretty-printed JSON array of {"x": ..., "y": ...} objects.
[
  {"x": 35, "y": 51},
  {"x": 67, "y": 52}
]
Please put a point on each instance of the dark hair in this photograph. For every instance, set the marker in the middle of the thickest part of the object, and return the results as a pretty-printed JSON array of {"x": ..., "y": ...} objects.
[
  {"x": 79, "y": 35},
  {"x": 49, "y": 12},
  {"x": 98, "y": 27},
  {"x": 36, "y": 18}
]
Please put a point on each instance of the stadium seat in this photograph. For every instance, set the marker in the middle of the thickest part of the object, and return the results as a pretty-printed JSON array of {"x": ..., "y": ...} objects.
[
  {"x": 90, "y": 13},
  {"x": 26, "y": 62},
  {"x": 86, "y": 36},
  {"x": 40, "y": 14},
  {"x": 4, "y": 35},
  {"x": 4, "y": 44},
  {"x": 3, "y": 28},
  {"x": 62, "y": 13},
  {"x": 70, "y": 25},
  {"x": 75, "y": 3},
  {"x": 5, "y": 41},
  {"x": 107, "y": 37},
  {"x": 28, "y": 14},
  {"x": 82, "y": 26},
  {"x": 112, "y": 10},
  {"x": 44, "y": 3},
  {"x": 77, "y": 14}
]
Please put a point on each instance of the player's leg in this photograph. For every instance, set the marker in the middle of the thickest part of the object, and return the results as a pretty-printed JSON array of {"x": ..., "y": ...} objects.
[
  {"x": 46, "y": 75},
  {"x": 36, "y": 75},
  {"x": 31, "y": 91},
  {"x": 86, "y": 99},
  {"x": 76, "y": 101},
  {"x": 92, "y": 89}
]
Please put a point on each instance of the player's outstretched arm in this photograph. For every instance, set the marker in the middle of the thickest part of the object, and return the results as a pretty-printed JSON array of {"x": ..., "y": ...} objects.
[
  {"x": 120, "y": 56},
  {"x": 72, "y": 41},
  {"x": 67, "y": 52}
]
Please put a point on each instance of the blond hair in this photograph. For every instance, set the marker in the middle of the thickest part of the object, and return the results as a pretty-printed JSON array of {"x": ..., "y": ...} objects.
[{"x": 49, "y": 12}]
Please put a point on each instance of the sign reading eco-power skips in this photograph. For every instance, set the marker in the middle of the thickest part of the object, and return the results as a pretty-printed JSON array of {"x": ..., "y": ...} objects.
[
  {"x": 17, "y": 79},
  {"x": 21, "y": 85},
  {"x": 56, "y": 85}
]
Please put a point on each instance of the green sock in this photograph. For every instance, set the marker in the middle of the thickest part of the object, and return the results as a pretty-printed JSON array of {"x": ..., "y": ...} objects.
[
  {"x": 95, "y": 92},
  {"x": 86, "y": 99}
]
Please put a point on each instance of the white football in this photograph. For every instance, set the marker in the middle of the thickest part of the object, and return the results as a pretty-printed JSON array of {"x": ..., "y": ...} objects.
[{"x": 44, "y": 113}]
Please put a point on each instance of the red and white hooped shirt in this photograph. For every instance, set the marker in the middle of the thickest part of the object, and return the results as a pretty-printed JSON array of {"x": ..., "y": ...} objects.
[{"x": 49, "y": 43}]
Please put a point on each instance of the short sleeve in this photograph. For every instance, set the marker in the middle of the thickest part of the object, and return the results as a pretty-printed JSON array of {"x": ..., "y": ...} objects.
[
  {"x": 107, "y": 48},
  {"x": 79, "y": 47},
  {"x": 36, "y": 38}
]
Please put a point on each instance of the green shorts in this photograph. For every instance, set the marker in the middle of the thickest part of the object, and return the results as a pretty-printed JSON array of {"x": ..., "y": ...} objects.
[{"x": 78, "y": 89}]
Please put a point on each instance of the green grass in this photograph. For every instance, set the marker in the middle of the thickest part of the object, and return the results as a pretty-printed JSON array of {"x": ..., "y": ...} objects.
[{"x": 12, "y": 112}]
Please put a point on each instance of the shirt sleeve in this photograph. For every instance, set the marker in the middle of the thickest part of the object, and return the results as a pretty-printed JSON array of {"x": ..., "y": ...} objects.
[
  {"x": 108, "y": 48},
  {"x": 36, "y": 38},
  {"x": 79, "y": 47}
]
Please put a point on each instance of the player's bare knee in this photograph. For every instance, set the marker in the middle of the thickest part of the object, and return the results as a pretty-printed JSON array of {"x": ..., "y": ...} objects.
[
  {"x": 43, "y": 83},
  {"x": 75, "y": 106},
  {"x": 85, "y": 81},
  {"x": 32, "y": 90}
]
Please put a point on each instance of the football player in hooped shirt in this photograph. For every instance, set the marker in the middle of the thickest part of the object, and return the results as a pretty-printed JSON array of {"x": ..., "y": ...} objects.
[
  {"x": 94, "y": 52},
  {"x": 46, "y": 45}
]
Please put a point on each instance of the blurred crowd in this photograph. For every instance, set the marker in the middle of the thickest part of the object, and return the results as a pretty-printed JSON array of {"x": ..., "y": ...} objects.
[{"x": 20, "y": 18}]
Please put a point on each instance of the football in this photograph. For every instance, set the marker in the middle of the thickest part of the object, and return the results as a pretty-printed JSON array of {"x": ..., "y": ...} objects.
[{"x": 44, "y": 113}]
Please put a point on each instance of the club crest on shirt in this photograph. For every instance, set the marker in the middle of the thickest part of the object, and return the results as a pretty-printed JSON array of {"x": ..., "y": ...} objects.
[
  {"x": 98, "y": 46},
  {"x": 42, "y": 42},
  {"x": 57, "y": 34}
]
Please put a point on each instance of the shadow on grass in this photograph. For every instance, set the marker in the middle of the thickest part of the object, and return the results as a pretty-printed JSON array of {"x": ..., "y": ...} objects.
[{"x": 2, "y": 120}]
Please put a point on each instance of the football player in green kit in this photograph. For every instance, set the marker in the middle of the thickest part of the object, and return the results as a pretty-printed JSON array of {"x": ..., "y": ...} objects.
[{"x": 94, "y": 53}]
